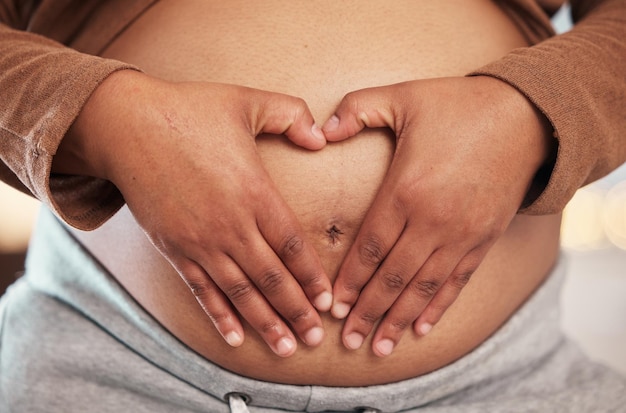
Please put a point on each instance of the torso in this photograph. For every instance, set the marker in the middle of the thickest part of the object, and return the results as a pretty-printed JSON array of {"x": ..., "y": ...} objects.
[{"x": 319, "y": 51}]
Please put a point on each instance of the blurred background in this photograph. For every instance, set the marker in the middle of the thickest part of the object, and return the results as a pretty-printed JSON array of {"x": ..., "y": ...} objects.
[
  {"x": 17, "y": 216},
  {"x": 594, "y": 238}
]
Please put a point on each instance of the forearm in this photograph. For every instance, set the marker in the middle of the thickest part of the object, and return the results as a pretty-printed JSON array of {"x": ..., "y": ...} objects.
[
  {"x": 576, "y": 80},
  {"x": 46, "y": 85}
]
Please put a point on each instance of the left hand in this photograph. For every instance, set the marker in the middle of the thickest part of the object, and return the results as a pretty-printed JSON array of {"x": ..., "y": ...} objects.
[{"x": 467, "y": 150}]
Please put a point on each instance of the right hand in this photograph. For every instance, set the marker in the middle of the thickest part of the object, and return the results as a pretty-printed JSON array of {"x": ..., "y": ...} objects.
[{"x": 184, "y": 157}]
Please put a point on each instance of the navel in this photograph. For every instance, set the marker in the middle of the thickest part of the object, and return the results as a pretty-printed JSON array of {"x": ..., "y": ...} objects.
[{"x": 334, "y": 234}]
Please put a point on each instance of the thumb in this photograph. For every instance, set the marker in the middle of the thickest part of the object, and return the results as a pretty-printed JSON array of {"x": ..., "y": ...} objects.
[
  {"x": 365, "y": 108},
  {"x": 291, "y": 116}
]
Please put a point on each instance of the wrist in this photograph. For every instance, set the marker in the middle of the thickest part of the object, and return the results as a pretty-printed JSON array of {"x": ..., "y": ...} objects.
[
  {"x": 534, "y": 135},
  {"x": 532, "y": 126},
  {"x": 542, "y": 145},
  {"x": 90, "y": 142}
]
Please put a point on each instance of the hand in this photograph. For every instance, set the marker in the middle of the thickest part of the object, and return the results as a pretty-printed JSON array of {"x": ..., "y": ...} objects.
[
  {"x": 184, "y": 157},
  {"x": 466, "y": 153}
]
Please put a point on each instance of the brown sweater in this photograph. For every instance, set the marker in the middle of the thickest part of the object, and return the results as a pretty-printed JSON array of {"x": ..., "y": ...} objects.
[{"x": 578, "y": 80}]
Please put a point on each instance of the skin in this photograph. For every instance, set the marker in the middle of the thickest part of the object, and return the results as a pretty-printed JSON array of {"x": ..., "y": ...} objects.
[
  {"x": 244, "y": 261},
  {"x": 442, "y": 204},
  {"x": 455, "y": 208}
]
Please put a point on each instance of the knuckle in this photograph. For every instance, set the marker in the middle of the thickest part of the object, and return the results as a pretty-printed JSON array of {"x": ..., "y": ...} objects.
[
  {"x": 299, "y": 106},
  {"x": 312, "y": 279},
  {"x": 427, "y": 288},
  {"x": 351, "y": 102},
  {"x": 199, "y": 289},
  {"x": 219, "y": 317},
  {"x": 476, "y": 232},
  {"x": 298, "y": 109},
  {"x": 368, "y": 318},
  {"x": 407, "y": 192},
  {"x": 460, "y": 280},
  {"x": 398, "y": 325},
  {"x": 271, "y": 280},
  {"x": 291, "y": 246},
  {"x": 371, "y": 251},
  {"x": 240, "y": 292},
  {"x": 443, "y": 216},
  {"x": 393, "y": 281},
  {"x": 358, "y": 117},
  {"x": 352, "y": 287},
  {"x": 299, "y": 315},
  {"x": 269, "y": 327}
]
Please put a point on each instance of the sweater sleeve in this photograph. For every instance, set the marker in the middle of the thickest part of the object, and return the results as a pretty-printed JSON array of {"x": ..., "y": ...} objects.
[
  {"x": 578, "y": 80},
  {"x": 43, "y": 87}
]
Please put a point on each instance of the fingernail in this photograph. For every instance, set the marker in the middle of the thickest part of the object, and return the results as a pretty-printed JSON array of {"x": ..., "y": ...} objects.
[
  {"x": 425, "y": 328},
  {"x": 317, "y": 132},
  {"x": 285, "y": 346},
  {"x": 340, "y": 310},
  {"x": 314, "y": 336},
  {"x": 233, "y": 339},
  {"x": 385, "y": 346},
  {"x": 324, "y": 301},
  {"x": 331, "y": 124},
  {"x": 354, "y": 341}
]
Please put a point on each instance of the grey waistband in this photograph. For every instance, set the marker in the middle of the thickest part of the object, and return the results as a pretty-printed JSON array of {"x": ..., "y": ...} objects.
[{"x": 59, "y": 267}]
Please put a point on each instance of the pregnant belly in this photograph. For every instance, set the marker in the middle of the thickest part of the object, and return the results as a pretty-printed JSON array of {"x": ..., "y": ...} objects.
[{"x": 319, "y": 51}]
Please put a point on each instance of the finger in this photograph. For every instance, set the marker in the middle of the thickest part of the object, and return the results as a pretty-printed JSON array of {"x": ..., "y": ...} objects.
[
  {"x": 381, "y": 229},
  {"x": 383, "y": 290},
  {"x": 291, "y": 116},
  {"x": 214, "y": 303},
  {"x": 449, "y": 292},
  {"x": 253, "y": 307},
  {"x": 283, "y": 233},
  {"x": 357, "y": 110},
  {"x": 417, "y": 295},
  {"x": 274, "y": 282}
]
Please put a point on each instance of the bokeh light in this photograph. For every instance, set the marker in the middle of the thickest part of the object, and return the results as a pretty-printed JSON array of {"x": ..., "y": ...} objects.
[
  {"x": 614, "y": 218},
  {"x": 17, "y": 217},
  {"x": 596, "y": 217}
]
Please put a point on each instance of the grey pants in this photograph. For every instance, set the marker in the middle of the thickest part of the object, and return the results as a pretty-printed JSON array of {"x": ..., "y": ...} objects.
[{"x": 72, "y": 340}]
